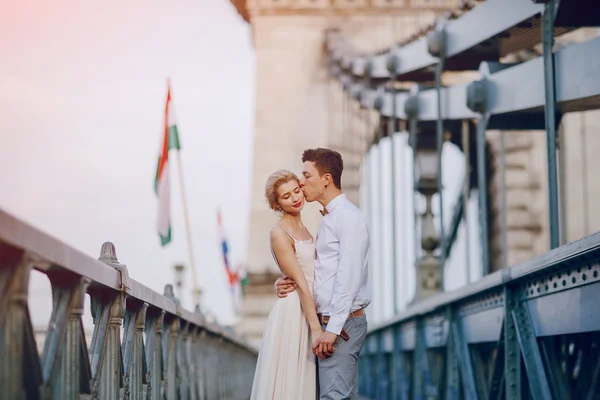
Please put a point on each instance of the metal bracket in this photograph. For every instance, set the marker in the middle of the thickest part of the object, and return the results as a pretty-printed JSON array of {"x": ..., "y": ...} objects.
[
  {"x": 497, "y": 383},
  {"x": 393, "y": 64},
  {"x": 171, "y": 330},
  {"x": 133, "y": 350},
  {"x": 464, "y": 361},
  {"x": 477, "y": 96},
  {"x": 452, "y": 367},
  {"x": 512, "y": 351},
  {"x": 65, "y": 339},
  {"x": 538, "y": 382},
  {"x": 400, "y": 379},
  {"x": 423, "y": 387},
  {"x": 154, "y": 329},
  {"x": 382, "y": 386},
  {"x": 557, "y": 377},
  {"x": 20, "y": 370}
]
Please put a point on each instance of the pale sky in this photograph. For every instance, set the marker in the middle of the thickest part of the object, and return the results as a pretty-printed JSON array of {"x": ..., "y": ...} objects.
[{"x": 83, "y": 89}]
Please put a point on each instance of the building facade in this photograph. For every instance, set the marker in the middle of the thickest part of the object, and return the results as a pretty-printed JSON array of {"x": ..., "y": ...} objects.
[{"x": 299, "y": 106}]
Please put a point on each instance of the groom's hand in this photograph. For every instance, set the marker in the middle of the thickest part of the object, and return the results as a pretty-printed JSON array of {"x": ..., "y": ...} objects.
[
  {"x": 284, "y": 285},
  {"x": 323, "y": 347}
]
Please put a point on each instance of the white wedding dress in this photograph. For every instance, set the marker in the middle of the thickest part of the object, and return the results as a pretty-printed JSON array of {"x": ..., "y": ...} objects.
[{"x": 286, "y": 366}]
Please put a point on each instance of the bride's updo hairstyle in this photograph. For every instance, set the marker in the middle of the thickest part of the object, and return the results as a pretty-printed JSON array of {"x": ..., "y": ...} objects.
[{"x": 277, "y": 179}]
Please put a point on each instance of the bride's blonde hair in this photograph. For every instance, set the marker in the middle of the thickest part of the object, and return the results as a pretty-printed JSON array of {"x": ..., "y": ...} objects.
[{"x": 274, "y": 181}]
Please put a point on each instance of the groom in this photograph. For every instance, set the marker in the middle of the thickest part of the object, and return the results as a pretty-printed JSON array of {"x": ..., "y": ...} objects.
[{"x": 341, "y": 288}]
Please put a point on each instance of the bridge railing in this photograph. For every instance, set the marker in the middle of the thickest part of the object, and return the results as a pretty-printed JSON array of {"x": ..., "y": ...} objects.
[
  {"x": 530, "y": 329},
  {"x": 144, "y": 345}
]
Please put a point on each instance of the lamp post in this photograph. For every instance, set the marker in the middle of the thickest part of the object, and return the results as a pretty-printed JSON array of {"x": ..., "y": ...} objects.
[{"x": 429, "y": 274}]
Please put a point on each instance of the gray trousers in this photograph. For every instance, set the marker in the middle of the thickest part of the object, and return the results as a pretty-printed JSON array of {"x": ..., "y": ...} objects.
[{"x": 338, "y": 374}]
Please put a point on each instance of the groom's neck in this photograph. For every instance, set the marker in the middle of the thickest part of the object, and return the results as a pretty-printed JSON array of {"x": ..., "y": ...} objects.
[{"x": 329, "y": 195}]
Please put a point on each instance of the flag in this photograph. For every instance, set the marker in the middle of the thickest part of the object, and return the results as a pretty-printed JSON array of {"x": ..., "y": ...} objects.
[
  {"x": 170, "y": 140},
  {"x": 233, "y": 277},
  {"x": 243, "y": 275}
]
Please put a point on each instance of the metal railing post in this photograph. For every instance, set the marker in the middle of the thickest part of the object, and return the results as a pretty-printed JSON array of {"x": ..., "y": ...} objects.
[
  {"x": 483, "y": 195},
  {"x": 477, "y": 102},
  {"x": 436, "y": 47},
  {"x": 393, "y": 66},
  {"x": 466, "y": 144},
  {"x": 134, "y": 362},
  {"x": 108, "y": 310},
  {"x": 20, "y": 373},
  {"x": 551, "y": 120}
]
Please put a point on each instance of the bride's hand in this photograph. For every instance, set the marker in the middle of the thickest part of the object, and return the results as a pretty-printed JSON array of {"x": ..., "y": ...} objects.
[{"x": 315, "y": 334}]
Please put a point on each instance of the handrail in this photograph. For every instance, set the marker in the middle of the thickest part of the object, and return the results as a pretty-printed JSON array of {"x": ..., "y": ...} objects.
[
  {"x": 49, "y": 255},
  {"x": 512, "y": 316},
  {"x": 181, "y": 352},
  {"x": 580, "y": 252}
]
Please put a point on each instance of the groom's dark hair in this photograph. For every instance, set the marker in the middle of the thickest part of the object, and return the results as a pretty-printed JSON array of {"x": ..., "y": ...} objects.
[{"x": 326, "y": 162}]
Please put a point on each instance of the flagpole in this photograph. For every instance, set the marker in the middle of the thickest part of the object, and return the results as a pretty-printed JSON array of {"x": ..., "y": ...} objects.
[{"x": 188, "y": 231}]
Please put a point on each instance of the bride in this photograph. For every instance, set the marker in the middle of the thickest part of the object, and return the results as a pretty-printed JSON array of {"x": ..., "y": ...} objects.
[{"x": 286, "y": 367}]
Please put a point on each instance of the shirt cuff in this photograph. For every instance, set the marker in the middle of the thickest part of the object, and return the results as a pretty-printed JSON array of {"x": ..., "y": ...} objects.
[{"x": 336, "y": 324}]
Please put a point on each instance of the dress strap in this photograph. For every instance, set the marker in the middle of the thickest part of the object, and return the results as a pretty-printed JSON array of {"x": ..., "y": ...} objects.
[
  {"x": 285, "y": 230},
  {"x": 273, "y": 252}
]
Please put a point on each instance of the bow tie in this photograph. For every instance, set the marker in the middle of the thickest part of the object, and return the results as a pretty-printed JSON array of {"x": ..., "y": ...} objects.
[{"x": 324, "y": 211}]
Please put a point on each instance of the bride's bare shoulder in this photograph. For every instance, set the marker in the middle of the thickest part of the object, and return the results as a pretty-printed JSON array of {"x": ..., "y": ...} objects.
[{"x": 280, "y": 238}]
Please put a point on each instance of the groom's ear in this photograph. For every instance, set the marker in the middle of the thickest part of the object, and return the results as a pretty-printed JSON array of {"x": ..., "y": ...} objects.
[{"x": 328, "y": 179}]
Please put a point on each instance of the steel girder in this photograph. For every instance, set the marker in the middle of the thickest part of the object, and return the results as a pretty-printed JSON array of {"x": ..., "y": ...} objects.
[{"x": 532, "y": 328}]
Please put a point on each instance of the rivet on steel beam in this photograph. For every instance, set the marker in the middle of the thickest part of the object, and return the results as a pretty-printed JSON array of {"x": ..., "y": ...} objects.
[
  {"x": 393, "y": 64},
  {"x": 436, "y": 42},
  {"x": 411, "y": 107},
  {"x": 477, "y": 96}
]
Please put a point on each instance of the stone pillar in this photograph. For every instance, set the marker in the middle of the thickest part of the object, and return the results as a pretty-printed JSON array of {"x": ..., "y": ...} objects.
[{"x": 298, "y": 107}]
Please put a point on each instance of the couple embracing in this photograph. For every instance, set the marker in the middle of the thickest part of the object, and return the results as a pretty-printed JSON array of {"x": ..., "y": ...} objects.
[{"x": 323, "y": 291}]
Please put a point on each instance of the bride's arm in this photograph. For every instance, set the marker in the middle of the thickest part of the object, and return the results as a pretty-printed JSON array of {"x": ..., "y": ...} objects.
[{"x": 286, "y": 257}]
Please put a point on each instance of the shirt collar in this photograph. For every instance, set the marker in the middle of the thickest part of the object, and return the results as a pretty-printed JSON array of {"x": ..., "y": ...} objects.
[{"x": 333, "y": 203}]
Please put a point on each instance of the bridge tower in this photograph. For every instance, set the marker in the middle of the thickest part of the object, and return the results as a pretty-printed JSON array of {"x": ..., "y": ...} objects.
[{"x": 298, "y": 106}]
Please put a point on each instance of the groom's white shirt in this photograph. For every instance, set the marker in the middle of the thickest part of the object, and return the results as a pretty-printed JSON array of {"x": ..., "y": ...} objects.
[{"x": 341, "y": 269}]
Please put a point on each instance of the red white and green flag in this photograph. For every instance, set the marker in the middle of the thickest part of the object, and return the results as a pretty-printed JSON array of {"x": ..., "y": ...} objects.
[{"x": 170, "y": 140}]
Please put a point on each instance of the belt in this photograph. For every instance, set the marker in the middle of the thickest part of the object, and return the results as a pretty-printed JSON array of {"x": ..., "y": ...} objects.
[
  {"x": 343, "y": 334},
  {"x": 325, "y": 318}
]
